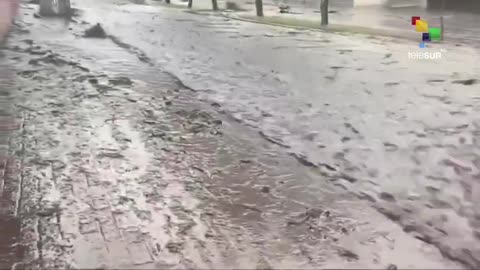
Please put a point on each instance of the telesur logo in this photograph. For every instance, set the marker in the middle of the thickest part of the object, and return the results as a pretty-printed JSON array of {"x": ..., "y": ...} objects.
[
  {"x": 425, "y": 55},
  {"x": 429, "y": 34}
]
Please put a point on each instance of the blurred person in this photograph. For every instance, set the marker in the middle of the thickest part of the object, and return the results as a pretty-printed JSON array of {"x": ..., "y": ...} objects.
[{"x": 8, "y": 10}]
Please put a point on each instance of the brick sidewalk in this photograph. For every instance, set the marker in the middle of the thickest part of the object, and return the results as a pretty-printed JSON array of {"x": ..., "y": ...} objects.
[{"x": 9, "y": 173}]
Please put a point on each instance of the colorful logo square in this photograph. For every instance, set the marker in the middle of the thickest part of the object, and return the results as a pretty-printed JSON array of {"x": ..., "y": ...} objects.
[
  {"x": 422, "y": 26},
  {"x": 428, "y": 34},
  {"x": 426, "y": 37},
  {"x": 415, "y": 19},
  {"x": 435, "y": 33}
]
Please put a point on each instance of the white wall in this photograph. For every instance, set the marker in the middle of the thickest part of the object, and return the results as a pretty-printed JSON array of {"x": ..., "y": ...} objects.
[{"x": 368, "y": 2}]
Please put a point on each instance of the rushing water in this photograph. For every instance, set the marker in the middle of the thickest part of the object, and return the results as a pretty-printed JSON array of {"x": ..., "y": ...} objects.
[
  {"x": 9, "y": 180},
  {"x": 307, "y": 122}
]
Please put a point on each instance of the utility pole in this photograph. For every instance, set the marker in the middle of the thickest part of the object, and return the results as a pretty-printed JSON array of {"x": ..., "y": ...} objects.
[
  {"x": 65, "y": 7},
  {"x": 442, "y": 25},
  {"x": 214, "y": 5},
  {"x": 55, "y": 7},
  {"x": 324, "y": 11},
  {"x": 444, "y": 3},
  {"x": 259, "y": 7}
]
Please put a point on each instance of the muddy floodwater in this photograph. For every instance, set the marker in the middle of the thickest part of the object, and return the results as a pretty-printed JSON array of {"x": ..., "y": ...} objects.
[{"x": 186, "y": 140}]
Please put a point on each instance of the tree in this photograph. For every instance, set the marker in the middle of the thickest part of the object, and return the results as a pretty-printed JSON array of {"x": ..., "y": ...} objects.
[
  {"x": 259, "y": 7},
  {"x": 214, "y": 5},
  {"x": 55, "y": 7},
  {"x": 65, "y": 7},
  {"x": 324, "y": 11}
]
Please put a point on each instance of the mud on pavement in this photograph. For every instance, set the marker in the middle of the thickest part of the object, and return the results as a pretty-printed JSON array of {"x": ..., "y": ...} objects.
[
  {"x": 116, "y": 171},
  {"x": 10, "y": 180}
]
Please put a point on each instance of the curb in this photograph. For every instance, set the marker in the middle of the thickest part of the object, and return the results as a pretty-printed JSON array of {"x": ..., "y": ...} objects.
[
  {"x": 272, "y": 24},
  {"x": 202, "y": 12},
  {"x": 375, "y": 32}
]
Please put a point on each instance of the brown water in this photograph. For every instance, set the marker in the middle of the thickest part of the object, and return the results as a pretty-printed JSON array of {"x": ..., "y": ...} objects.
[
  {"x": 10, "y": 178},
  {"x": 146, "y": 172}
]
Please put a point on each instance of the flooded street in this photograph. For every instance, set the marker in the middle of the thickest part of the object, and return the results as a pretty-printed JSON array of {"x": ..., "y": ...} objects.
[{"x": 197, "y": 141}]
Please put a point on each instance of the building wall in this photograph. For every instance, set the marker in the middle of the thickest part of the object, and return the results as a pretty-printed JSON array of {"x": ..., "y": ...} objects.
[
  {"x": 455, "y": 5},
  {"x": 369, "y": 2}
]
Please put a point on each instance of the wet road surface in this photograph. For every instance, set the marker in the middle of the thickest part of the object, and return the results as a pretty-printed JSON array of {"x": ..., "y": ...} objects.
[
  {"x": 9, "y": 180},
  {"x": 252, "y": 165},
  {"x": 460, "y": 28}
]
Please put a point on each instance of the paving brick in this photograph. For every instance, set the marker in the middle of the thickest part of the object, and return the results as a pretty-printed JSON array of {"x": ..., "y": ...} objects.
[
  {"x": 118, "y": 250},
  {"x": 87, "y": 226},
  {"x": 133, "y": 235},
  {"x": 139, "y": 253},
  {"x": 125, "y": 219},
  {"x": 109, "y": 231},
  {"x": 100, "y": 203}
]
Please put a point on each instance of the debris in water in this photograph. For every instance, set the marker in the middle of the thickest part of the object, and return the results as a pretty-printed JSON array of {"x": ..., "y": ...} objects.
[
  {"x": 265, "y": 189},
  {"x": 284, "y": 9},
  {"x": 273, "y": 140},
  {"x": 347, "y": 177},
  {"x": 312, "y": 213},
  {"x": 303, "y": 160},
  {"x": 266, "y": 114},
  {"x": 174, "y": 247},
  {"x": 250, "y": 207},
  {"x": 391, "y": 83},
  {"x": 352, "y": 128},
  {"x": 93, "y": 81},
  {"x": 387, "y": 197},
  {"x": 331, "y": 168},
  {"x": 114, "y": 155},
  {"x": 49, "y": 211},
  {"x": 365, "y": 196},
  {"x": 390, "y": 147},
  {"x": 466, "y": 82},
  {"x": 435, "y": 81},
  {"x": 310, "y": 136},
  {"x": 120, "y": 81},
  {"x": 389, "y": 62},
  {"x": 96, "y": 31},
  {"x": 392, "y": 267},
  {"x": 348, "y": 254},
  {"x": 198, "y": 169}
]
